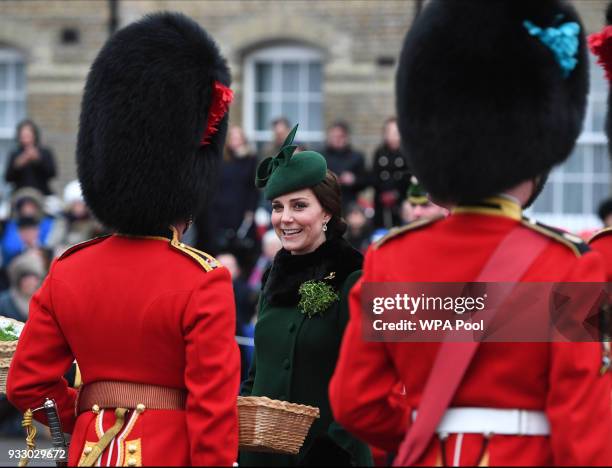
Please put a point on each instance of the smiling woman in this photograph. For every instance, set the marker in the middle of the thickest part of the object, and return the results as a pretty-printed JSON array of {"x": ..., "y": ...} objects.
[
  {"x": 302, "y": 307},
  {"x": 299, "y": 221}
]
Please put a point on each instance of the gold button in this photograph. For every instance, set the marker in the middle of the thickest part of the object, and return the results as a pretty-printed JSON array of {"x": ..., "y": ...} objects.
[
  {"x": 140, "y": 408},
  {"x": 95, "y": 409},
  {"x": 88, "y": 450},
  {"x": 131, "y": 448},
  {"x": 131, "y": 461}
]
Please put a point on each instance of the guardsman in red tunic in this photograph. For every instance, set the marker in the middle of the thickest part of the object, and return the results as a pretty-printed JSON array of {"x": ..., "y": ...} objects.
[
  {"x": 488, "y": 103},
  {"x": 602, "y": 242},
  {"x": 149, "y": 320},
  {"x": 601, "y": 45}
]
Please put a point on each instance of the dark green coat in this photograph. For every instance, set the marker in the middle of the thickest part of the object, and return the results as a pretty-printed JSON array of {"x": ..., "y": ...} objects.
[{"x": 295, "y": 356}]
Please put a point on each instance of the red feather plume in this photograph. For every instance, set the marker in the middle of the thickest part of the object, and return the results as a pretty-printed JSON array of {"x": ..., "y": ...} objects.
[
  {"x": 221, "y": 99},
  {"x": 601, "y": 45}
]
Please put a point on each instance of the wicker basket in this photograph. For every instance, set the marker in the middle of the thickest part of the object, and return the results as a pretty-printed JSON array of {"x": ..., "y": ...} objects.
[
  {"x": 7, "y": 349},
  {"x": 273, "y": 426}
]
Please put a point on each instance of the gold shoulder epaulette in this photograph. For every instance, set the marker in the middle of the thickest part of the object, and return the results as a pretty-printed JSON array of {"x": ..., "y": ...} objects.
[
  {"x": 573, "y": 242},
  {"x": 603, "y": 233},
  {"x": 394, "y": 232},
  {"x": 206, "y": 261},
  {"x": 82, "y": 245}
]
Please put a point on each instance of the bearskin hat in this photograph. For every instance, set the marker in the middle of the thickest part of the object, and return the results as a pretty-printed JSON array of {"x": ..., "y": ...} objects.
[
  {"x": 490, "y": 93},
  {"x": 153, "y": 124}
]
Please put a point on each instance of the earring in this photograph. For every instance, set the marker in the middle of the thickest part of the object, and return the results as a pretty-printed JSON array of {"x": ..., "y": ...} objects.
[
  {"x": 324, "y": 227},
  {"x": 189, "y": 222}
]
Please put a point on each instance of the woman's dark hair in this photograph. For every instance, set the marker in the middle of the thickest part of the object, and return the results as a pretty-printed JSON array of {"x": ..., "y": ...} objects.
[
  {"x": 33, "y": 126},
  {"x": 330, "y": 197}
]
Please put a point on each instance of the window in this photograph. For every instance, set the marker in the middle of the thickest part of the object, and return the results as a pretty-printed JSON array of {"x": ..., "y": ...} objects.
[
  {"x": 12, "y": 100},
  {"x": 283, "y": 81},
  {"x": 575, "y": 189}
]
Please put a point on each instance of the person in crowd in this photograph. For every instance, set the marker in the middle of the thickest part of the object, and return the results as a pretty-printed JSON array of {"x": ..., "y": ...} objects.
[
  {"x": 149, "y": 320},
  {"x": 28, "y": 228},
  {"x": 488, "y": 103},
  {"x": 236, "y": 197},
  {"x": 359, "y": 229},
  {"x": 347, "y": 163},
  {"x": 76, "y": 223},
  {"x": 418, "y": 205},
  {"x": 421, "y": 206},
  {"x": 601, "y": 45},
  {"x": 604, "y": 211},
  {"x": 270, "y": 245},
  {"x": 25, "y": 273},
  {"x": 30, "y": 164},
  {"x": 245, "y": 309},
  {"x": 390, "y": 177},
  {"x": 280, "y": 129},
  {"x": 406, "y": 215},
  {"x": 302, "y": 310}
]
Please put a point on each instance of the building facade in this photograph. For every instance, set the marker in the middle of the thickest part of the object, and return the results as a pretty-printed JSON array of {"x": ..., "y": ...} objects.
[{"x": 313, "y": 61}]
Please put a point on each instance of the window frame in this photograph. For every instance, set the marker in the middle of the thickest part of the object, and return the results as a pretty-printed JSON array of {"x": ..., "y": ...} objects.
[
  {"x": 276, "y": 54},
  {"x": 13, "y": 93},
  {"x": 588, "y": 139}
]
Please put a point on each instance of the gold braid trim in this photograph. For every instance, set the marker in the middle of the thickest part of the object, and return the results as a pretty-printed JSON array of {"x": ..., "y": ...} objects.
[
  {"x": 394, "y": 232},
  {"x": 106, "y": 439},
  {"x": 30, "y": 435},
  {"x": 190, "y": 252},
  {"x": 603, "y": 232}
]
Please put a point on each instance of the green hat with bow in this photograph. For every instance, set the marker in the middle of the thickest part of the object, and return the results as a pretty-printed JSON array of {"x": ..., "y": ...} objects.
[
  {"x": 417, "y": 195},
  {"x": 287, "y": 172}
]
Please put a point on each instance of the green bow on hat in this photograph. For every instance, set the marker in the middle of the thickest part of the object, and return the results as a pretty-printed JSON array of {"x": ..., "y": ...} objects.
[{"x": 287, "y": 172}]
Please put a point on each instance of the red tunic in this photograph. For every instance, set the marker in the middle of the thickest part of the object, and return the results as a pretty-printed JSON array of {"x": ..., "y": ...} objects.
[
  {"x": 560, "y": 379},
  {"x": 137, "y": 310}
]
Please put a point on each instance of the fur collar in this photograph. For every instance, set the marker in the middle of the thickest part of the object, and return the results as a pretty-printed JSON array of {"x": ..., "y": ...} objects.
[{"x": 333, "y": 261}]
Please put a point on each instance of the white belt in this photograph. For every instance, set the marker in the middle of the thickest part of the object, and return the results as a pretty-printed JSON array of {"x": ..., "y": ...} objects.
[{"x": 493, "y": 421}]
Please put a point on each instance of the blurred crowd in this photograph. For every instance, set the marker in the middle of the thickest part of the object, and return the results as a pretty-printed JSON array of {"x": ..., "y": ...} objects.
[{"x": 35, "y": 226}]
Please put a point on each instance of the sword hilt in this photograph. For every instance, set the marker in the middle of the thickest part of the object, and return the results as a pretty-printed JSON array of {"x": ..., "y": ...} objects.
[{"x": 57, "y": 435}]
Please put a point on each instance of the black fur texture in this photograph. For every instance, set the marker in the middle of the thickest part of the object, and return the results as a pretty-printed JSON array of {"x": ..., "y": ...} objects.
[
  {"x": 283, "y": 280},
  {"x": 483, "y": 105},
  {"x": 143, "y": 113}
]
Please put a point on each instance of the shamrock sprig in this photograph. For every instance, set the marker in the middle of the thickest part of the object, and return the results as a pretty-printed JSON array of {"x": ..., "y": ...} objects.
[
  {"x": 8, "y": 333},
  {"x": 316, "y": 297}
]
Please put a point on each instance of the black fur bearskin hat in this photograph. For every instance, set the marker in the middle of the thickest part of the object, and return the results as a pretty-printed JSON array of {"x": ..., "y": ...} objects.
[
  {"x": 490, "y": 93},
  {"x": 153, "y": 124}
]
